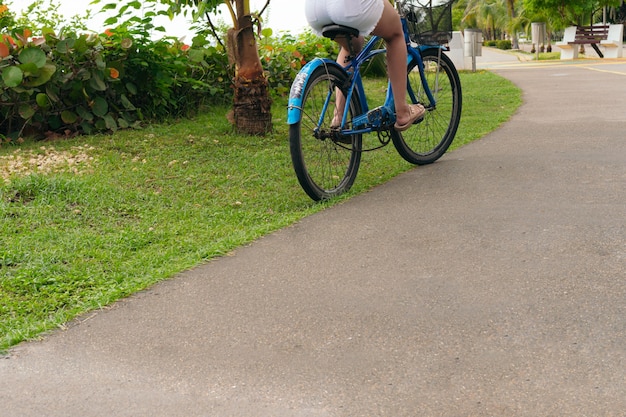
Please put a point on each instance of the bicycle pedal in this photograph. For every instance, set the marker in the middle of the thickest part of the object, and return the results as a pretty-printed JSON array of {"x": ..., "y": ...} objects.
[{"x": 376, "y": 118}]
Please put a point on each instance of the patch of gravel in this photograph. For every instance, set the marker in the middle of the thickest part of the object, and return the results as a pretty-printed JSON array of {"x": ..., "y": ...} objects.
[{"x": 46, "y": 160}]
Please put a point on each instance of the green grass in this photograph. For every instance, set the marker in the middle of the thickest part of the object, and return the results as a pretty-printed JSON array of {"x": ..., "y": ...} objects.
[
  {"x": 545, "y": 56},
  {"x": 542, "y": 56},
  {"x": 137, "y": 207},
  {"x": 549, "y": 56}
]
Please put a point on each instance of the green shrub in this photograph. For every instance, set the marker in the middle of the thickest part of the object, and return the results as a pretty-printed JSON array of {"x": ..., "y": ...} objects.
[
  {"x": 79, "y": 83},
  {"x": 283, "y": 56},
  {"x": 63, "y": 82},
  {"x": 46, "y": 82},
  {"x": 168, "y": 78},
  {"x": 504, "y": 44}
]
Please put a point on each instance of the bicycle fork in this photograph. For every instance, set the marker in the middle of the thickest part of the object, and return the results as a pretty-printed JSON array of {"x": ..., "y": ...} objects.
[{"x": 432, "y": 103}]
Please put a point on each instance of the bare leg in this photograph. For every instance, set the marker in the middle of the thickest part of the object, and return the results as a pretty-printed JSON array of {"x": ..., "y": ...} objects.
[
  {"x": 344, "y": 53},
  {"x": 389, "y": 28}
]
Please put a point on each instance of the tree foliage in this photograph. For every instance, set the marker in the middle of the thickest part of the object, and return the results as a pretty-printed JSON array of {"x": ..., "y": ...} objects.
[
  {"x": 505, "y": 18},
  {"x": 570, "y": 12},
  {"x": 7, "y": 18}
]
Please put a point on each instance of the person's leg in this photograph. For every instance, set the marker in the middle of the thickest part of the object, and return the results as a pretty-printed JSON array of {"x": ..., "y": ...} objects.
[
  {"x": 342, "y": 59},
  {"x": 389, "y": 28},
  {"x": 344, "y": 53}
]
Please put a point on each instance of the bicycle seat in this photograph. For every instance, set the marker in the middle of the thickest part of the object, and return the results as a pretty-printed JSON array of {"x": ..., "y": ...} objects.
[{"x": 332, "y": 31}]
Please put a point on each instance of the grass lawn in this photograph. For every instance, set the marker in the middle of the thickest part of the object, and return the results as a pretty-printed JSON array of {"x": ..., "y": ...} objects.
[{"x": 89, "y": 220}]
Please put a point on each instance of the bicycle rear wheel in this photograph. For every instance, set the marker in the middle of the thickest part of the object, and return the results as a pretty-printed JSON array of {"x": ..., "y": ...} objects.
[
  {"x": 326, "y": 163},
  {"x": 426, "y": 141}
]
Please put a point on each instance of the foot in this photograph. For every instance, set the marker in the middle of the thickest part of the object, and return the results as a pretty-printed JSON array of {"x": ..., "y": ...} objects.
[
  {"x": 335, "y": 124},
  {"x": 416, "y": 112}
]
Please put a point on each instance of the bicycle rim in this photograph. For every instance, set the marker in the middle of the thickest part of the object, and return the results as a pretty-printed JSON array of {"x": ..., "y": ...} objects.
[
  {"x": 429, "y": 139},
  {"x": 324, "y": 166}
]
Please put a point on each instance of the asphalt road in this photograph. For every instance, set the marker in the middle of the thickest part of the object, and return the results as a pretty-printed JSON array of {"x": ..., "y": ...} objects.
[{"x": 491, "y": 283}]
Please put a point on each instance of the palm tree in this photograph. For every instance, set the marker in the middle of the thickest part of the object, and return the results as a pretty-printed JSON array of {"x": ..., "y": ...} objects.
[
  {"x": 510, "y": 6},
  {"x": 526, "y": 17},
  {"x": 488, "y": 15},
  {"x": 252, "y": 103},
  {"x": 571, "y": 12},
  {"x": 617, "y": 14}
]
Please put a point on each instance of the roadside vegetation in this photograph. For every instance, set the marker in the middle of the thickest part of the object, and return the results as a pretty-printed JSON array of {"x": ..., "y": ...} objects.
[
  {"x": 112, "y": 180},
  {"x": 66, "y": 81},
  {"x": 89, "y": 220},
  {"x": 512, "y": 19}
]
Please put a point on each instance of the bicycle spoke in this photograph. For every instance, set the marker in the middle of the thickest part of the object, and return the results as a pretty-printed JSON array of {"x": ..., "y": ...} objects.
[
  {"x": 325, "y": 168},
  {"x": 427, "y": 141}
]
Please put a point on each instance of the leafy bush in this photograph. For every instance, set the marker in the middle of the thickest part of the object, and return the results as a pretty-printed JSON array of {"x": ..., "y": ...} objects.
[
  {"x": 174, "y": 78},
  {"x": 83, "y": 83},
  {"x": 500, "y": 44},
  {"x": 168, "y": 78},
  {"x": 504, "y": 44},
  {"x": 64, "y": 82},
  {"x": 283, "y": 56}
]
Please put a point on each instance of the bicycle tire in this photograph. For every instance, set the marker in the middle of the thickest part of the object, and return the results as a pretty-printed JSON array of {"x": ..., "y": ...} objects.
[
  {"x": 325, "y": 167},
  {"x": 427, "y": 140}
]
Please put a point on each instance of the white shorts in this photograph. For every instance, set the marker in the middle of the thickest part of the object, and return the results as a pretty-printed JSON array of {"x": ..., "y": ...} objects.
[{"x": 359, "y": 14}]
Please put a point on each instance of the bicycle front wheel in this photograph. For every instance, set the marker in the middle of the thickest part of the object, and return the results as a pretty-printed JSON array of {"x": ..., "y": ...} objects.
[
  {"x": 326, "y": 162},
  {"x": 426, "y": 141}
]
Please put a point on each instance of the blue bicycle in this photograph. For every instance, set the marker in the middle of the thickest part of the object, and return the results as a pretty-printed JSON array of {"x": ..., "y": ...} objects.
[{"x": 326, "y": 158}]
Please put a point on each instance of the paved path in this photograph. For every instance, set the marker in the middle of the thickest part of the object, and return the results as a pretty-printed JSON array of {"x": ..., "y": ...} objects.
[{"x": 491, "y": 283}]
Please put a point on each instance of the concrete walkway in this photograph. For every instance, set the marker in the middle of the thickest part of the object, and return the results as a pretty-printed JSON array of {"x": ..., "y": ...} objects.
[{"x": 491, "y": 283}]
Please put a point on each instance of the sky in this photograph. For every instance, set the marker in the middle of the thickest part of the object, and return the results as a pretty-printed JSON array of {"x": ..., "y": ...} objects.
[{"x": 282, "y": 15}]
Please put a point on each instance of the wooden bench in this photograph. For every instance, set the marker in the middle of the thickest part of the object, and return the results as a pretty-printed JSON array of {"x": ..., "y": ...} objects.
[{"x": 607, "y": 36}]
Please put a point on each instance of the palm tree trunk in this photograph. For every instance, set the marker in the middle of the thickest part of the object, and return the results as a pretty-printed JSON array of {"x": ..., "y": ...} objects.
[
  {"x": 511, "y": 8},
  {"x": 252, "y": 103}
]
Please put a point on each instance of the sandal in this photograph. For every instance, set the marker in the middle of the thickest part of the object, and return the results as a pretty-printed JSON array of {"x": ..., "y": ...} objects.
[{"x": 417, "y": 113}]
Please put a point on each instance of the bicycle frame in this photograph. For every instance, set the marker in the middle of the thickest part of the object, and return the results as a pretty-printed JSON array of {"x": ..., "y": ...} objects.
[
  {"x": 366, "y": 122},
  {"x": 326, "y": 156}
]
